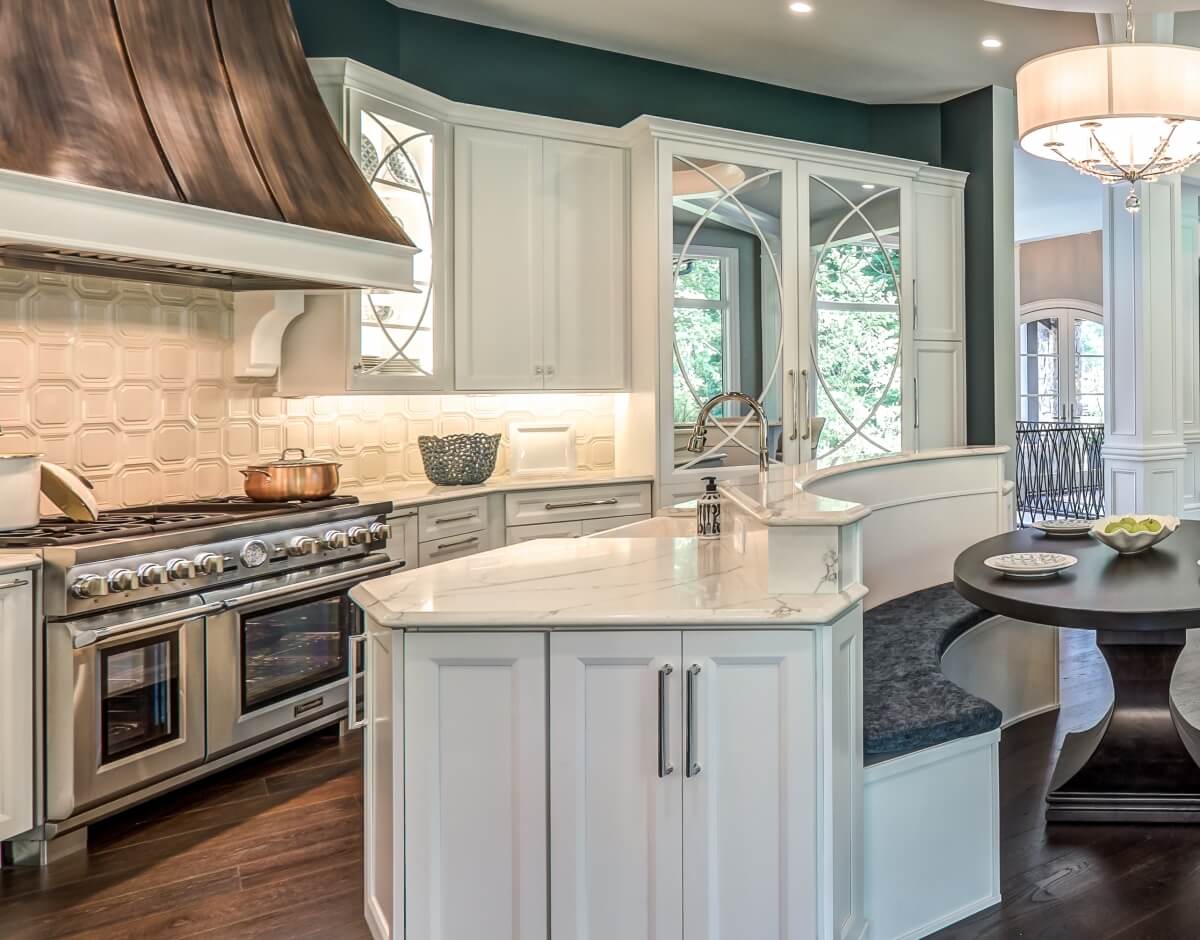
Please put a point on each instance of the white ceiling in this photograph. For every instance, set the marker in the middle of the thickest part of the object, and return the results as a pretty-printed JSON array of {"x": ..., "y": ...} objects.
[{"x": 878, "y": 51}]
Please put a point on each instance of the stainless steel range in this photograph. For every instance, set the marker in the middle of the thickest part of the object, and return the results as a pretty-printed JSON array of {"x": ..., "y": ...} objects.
[{"x": 184, "y": 637}]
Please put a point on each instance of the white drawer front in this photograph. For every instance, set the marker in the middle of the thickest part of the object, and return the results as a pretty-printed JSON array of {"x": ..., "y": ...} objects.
[
  {"x": 592, "y": 526},
  {"x": 582, "y": 502},
  {"x": 453, "y": 546},
  {"x": 572, "y": 529},
  {"x": 454, "y": 517}
]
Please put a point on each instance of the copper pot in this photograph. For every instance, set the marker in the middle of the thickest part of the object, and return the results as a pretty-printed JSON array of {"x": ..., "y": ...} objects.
[{"x": 285, "y": 479}]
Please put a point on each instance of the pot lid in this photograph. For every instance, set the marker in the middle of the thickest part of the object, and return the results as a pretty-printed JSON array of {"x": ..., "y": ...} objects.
[
  {"x": 20, "y": 456},
  {"x": 303, "y": 461}
]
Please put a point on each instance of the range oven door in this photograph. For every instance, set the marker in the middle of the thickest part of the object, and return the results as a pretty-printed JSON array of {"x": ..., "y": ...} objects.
[
  {"x": 280, "y": 652},
  {"x": 125, "y": 703}
]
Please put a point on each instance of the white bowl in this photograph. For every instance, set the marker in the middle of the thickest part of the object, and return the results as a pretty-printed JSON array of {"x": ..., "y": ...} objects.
[{"x": 1127, "y": 543}]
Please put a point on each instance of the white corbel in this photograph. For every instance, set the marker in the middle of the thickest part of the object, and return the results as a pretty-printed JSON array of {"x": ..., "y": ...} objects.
[{"x": 260, "y": 318}]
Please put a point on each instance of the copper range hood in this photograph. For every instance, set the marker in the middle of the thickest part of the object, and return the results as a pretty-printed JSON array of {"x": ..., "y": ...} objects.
[{"x": 181, "y": 141}]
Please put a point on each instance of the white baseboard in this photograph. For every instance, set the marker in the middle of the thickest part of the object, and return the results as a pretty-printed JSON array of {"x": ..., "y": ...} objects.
[{"x": 952, "y": 918}]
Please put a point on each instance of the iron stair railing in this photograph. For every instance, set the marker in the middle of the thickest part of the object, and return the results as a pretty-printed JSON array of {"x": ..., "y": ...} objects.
[{"x": 1060, "y": 471}]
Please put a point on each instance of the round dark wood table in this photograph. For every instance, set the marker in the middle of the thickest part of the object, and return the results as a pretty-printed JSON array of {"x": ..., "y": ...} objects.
[{"x": 1140, "y": 762}]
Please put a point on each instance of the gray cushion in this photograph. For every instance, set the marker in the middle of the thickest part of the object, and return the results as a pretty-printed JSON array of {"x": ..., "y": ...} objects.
[{"x": 908, "y": 704}]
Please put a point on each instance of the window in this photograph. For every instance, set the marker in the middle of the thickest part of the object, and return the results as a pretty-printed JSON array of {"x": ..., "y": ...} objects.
[
  {"x": 1061, "y": 359},
  {"x": 707, "y": 347}
]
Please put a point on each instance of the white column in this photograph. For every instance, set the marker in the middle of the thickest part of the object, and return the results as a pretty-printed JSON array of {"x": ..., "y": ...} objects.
[
  {"x": 1190, "y": 300},
  {"x": 1144, "y": 452}
]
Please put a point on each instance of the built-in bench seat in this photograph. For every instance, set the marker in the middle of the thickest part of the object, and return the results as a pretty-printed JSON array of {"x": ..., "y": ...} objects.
[{"x": 908, "y": 703}]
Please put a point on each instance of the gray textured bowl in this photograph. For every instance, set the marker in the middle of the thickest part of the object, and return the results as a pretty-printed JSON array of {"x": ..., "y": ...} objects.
[{"x": 459, "y": 459}]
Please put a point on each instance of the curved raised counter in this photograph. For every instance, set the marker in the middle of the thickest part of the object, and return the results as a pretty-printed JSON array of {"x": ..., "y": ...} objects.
[{"x": 665, "y": 665}]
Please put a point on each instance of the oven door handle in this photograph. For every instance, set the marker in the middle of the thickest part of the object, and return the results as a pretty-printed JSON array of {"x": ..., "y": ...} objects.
[
  {"x": 358, "y": 574},
  {"x": 81, "y": 639}
]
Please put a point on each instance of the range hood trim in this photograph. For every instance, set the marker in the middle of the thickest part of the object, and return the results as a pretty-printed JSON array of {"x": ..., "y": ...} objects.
[{"x": 48, "y": 212}]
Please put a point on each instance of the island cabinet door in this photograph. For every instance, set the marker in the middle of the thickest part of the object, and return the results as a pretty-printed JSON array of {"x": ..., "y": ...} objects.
[
  {"x": 615, "y": 837},
  {"x": 475, "y": 786},
  {"x": 750, "y": 792}
]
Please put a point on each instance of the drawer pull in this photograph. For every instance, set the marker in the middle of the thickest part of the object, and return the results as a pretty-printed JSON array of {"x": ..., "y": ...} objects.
[
  {"x": 463, "y": 518},
  {"x": 13, "y": 584},
  {"x": 584, "y": 503},
  {"x": 446, "y": 546},
  {"x": 305, "y": 707}
]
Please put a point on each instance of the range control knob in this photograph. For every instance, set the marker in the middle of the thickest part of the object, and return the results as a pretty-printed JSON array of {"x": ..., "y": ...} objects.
[
  {"x": 336, "y": 539},
  {"x": 89, "y": 586},
  {"x": 380, "y": 532},
  {"x": 122, "y": 579},
  {"x": 303, "y": 545},
  {"x": 180, "y": 569},
  {"x": 358, "y": 535},
  {"x": 150, "y": 574},
  {"x": 209, "y": 563}
]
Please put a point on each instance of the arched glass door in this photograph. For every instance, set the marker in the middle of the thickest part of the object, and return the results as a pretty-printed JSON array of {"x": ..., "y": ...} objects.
[{"x": 1061, "y": 362}]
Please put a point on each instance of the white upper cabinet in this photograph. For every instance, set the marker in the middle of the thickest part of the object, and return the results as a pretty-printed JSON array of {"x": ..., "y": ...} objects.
[
  {"x": 587, "y": 286},
  {"x": 938, "y": 308},
  {"x": 541, "y": 259},
  {"x": 498, "y": 239}
]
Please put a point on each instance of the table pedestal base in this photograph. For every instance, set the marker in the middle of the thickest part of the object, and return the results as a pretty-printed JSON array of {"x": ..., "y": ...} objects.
[{"x": 1137, "y": 764}]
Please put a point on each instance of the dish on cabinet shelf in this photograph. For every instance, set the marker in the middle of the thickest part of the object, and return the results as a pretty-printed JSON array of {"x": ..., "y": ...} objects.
[{"x": 542, "y": 448}]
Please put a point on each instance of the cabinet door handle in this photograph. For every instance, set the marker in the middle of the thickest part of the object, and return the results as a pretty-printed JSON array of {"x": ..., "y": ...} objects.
[
  {"x": 463, "y": 518},
  {"x": 795, "y": 405},
  {"x": 549, "y": 370},
  {"x": 806, "y": 424},
  {"x": 584, "y": 503},
  {"x": 446, "y": 546},
  {"x": 537, "y": 370},
  {"x": 358, "y": 642},
  {"x": 665, "y": 767},
  {"x": 916, "y": 404},
  {"x": 691, "y": 765},
  {"x": 13, "y": 584}
]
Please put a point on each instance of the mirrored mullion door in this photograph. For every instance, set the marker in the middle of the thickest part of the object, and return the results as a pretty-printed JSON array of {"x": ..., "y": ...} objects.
[
  {"x": 728, "y": 229},
  {"x": 856, "y": 256}
]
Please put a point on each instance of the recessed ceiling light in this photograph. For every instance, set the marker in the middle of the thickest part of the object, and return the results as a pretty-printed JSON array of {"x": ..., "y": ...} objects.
[
  {"x": 991, "y": 42},
  {"x": 799, "y": 7},
  {"x": 868, "y": 185}
]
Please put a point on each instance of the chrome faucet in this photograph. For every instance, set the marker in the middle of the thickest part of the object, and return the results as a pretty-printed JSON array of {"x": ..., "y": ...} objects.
[{"x": 700, "y": 428}]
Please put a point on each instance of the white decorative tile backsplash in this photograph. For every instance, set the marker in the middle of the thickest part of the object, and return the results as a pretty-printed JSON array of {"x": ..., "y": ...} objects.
[{"x": 131, "y": 384}]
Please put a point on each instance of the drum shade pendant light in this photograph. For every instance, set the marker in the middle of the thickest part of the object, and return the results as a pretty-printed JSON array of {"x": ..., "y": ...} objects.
[{"x": 1122, "y": 113}]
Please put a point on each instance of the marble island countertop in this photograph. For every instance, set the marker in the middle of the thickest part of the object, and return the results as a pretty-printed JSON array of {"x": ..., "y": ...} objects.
[
  {"x": 419, "y": 493},
  {"x": 784, "y": 495},
  {"x": 640, "y": 575}
]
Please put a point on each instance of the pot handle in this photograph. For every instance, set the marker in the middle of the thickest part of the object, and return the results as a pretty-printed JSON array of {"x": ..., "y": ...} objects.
[
  {"x": 293, "y": 450},
  {"x": 253, "y": 470}
]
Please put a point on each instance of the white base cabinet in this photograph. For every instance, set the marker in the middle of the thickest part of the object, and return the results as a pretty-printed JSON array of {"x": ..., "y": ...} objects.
[
  {"x": 633, "y": 784},
  {"x": 16, "y": 703}
]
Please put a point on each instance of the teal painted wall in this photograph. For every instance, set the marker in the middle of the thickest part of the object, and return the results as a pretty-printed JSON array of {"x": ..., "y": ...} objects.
[
  {"x": 967, "y": 129},
  {"x": 504, "y": 69}
]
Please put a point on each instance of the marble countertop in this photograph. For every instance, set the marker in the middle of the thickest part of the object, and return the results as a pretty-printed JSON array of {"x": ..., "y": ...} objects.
[
  {"x": 641, "y": 575},
  {"x": 18, "y": 561},
  {"x": 420, "y": 493},
  {"x": 782, "y": 496}
]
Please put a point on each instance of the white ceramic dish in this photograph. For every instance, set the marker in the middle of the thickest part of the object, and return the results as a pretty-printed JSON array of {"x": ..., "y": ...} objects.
[
  {"x": 1064, "y": 527},
  {"x": 541, "y": 448},
  {"x": 1031, "y": 565},
  {"x": 1129, "y": 543}
]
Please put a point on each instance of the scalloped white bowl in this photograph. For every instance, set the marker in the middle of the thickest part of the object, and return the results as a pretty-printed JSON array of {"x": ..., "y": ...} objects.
[{"x": 1127, "y": 543}]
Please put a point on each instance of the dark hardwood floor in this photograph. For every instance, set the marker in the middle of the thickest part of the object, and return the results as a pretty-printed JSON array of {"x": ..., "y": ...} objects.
[
  {"x": 273, "y": 848},
  {"x": 1072, "y": 881}
]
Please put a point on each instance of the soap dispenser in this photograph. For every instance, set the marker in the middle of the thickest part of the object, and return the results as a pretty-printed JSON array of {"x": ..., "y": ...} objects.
[{"x": 708, "y": 511}]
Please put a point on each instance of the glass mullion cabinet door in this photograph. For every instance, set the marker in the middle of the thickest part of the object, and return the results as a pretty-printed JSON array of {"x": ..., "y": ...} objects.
[
  {"x": 856, "y": 314},
  {"x": 728, "y": 309},
  {"x": 400, "y": 339}
]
